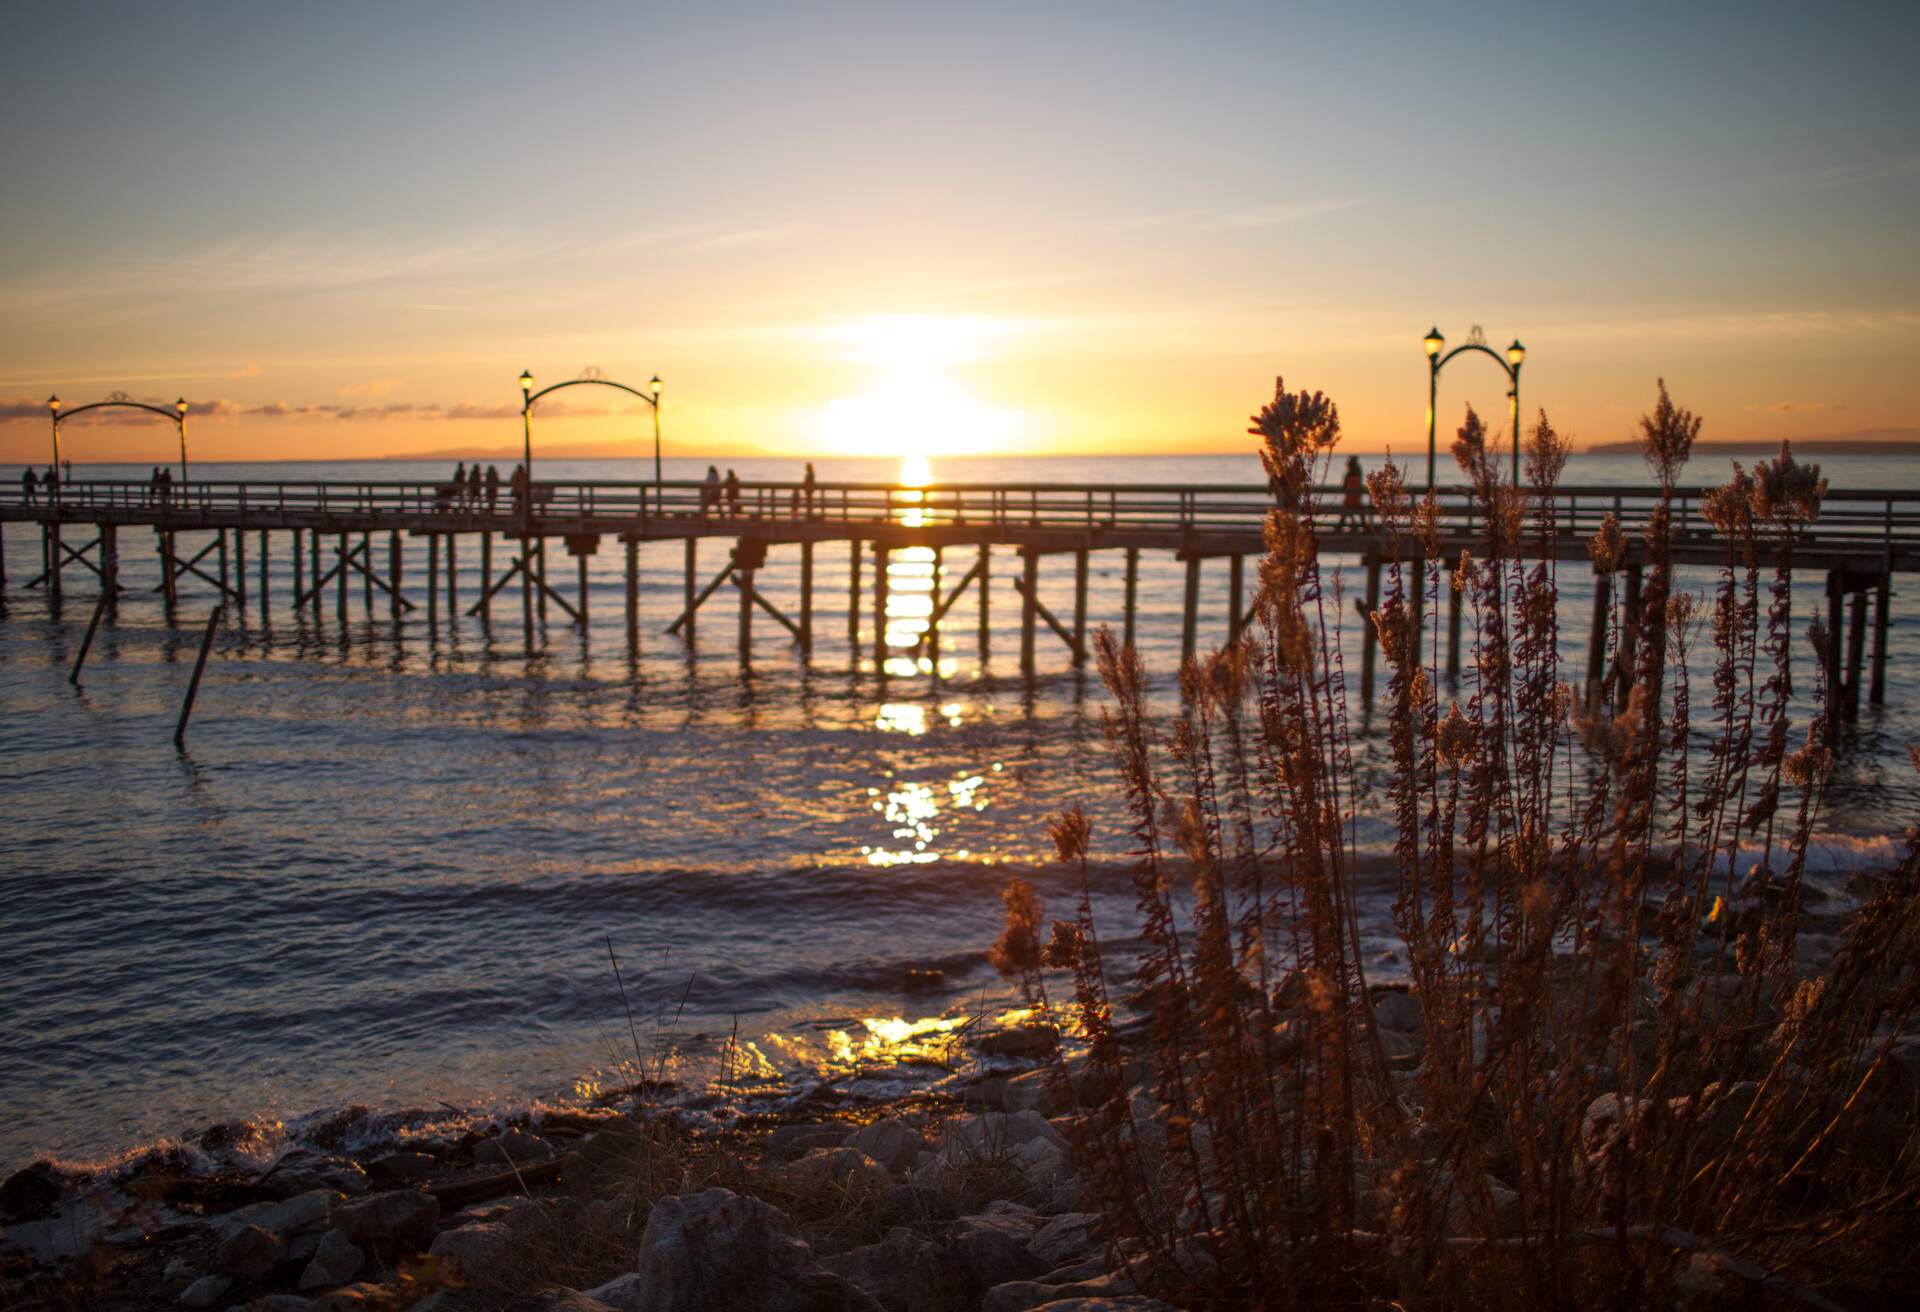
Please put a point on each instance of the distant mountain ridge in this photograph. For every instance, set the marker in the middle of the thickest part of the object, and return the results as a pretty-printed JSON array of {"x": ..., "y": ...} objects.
[{"x": 1866, "y": 442}]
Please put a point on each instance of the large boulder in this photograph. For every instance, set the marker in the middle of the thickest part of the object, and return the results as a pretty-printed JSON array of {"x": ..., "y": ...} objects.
[
  {"x": 620, "y": 1293},
  {"x": 993, "y": 1136},
  {"x": 1066, "y": 1238},
  {"x": 1029, "y": 1042},
  {"x": 510, "y": 1149},
  {"x": 249, "y": 1252},
  {"x": 29, "y": 1193},
  {"x": 398, "y": 1219},
  {"x": 892, "y": 1142},
  {"x": 559, "y": 1300},
  {"x": 839, "y": 1168},
  {"x": 303, "y": 1213},
  {"x": 334, "y": 1263},
  {"x": 715, "y": 1251},
  {"x": 473, "y": 1250},
  {"x": 303, "y": 1170},
  {"x": 993, "y": 1248},
  {"x": 205, "y": 1292},
  {"x": 906, "y": 1273}
]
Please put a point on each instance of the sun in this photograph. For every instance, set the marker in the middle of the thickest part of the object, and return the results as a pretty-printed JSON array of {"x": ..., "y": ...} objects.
[{"x": 914, "y": 406}]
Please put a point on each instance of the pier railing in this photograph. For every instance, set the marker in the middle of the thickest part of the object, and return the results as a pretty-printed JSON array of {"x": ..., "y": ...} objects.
[{"x": 1869, "y": 517}]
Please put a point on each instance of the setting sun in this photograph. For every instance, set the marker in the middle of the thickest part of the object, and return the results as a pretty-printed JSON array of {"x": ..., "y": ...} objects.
[{"x": 913, "y": 405}]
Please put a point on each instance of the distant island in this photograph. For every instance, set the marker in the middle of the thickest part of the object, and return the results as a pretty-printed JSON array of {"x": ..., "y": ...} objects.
[{"x": 1868, "y": 442}]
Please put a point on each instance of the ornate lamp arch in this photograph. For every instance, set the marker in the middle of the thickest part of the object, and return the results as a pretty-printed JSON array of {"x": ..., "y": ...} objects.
[
  {"x": 1510, "y": 363},
  {"x": 589, "y": 377},
  {"x": 121, "y": 401}
]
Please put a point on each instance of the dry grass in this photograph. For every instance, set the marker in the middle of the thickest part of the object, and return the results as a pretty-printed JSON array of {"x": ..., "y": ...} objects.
[{"x": 1573, "y": 912}]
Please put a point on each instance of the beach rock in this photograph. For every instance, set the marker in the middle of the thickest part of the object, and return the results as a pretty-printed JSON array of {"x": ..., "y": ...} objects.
[
  {"x": 401, "y": 1218},
  {"x": 1030, "y": 1042},
  {"x": 473, "y": 1250},
  {"x": 29, "y": 1193},
  {"x": 303, "y": 1170},
  {"x": 891, "y": 1142},
  {"x": 559, "y": 1300},
  {"x": 289, "y": 1216},
  {"x": 277, "y": 1303},
  {"x": 620, "y": 1293},
  {"x": 1066, "y": 1238},
  {"x": 916, "y": 1203},
  {"x": 992, "y": 1136},
  {"x": 1031, "y": 1092},
  {"x": 363, "y": 1297},
  {"x": 336, "y": 1261},
  {"x": 843, "y": 1168},
  {"x": 790, "y": 1141},
  {"x": 249, "y": 1252},
  {"x": 906, "y": 1273},
  {"x": 1396, "y": 1009},
  {"x": 1115, "y": 1303},
  {"x": 402, "y": 1168},
  {"x": 715, "y": 1251},
  {"x": 601, "y": 1160},
  {"x": 179, "y": 1271},
  {"x": 993, "y": 1249},
  {"x": 985, "y": 1093},
  {"x": 509, "y": 1149},
  {"x": 206, "y": 1291}
]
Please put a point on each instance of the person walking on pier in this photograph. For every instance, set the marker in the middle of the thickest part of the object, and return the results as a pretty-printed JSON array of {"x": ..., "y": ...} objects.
[
  {"x": 710, "y": 490},
  {"x": 520, "y": 485},
  {"x": 51, "y": 482},
  {"x": 1353, "y": 496},
  {"x": 809, "y": 481},
  {"x": 460, "y": 483},
  {"x": 29, "y": 485},
  {"x": 733, "y": 493},
  {"x": 473, "y": 487},
  {"x": 493, "y": 486}
]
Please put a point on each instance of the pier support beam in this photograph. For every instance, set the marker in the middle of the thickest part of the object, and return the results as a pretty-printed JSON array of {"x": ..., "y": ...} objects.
[
  {"x": 1881, "y": 596},
  {"x": 744, "y": 578},
  {"x": 1597, "y": 639},
  {"x": 633, "y": 593},
  {"x": 880, "y": 581},
  {"x": 854, "y": 552},
  {"x": 1369, "y": 640},
  {"x": 1132, "y": 593},
  {"x": 453, "y": 576},
  {"x": 1190, "y": 618},
  {"x": 394, "y": 560},
  {"x": 806, "y": 597},
  {"x": 1080, "y": 607},
  {"x": 1029, "y": 606},
  {"x": 1453, "y": 624},
  {"x": 240, "y": 572},
  {"x": 1236, "y": 588},
  {"x": 1856, "y": 652},
  {"x": 693, "y": 565},
  {"x": 486, "y": 575},
  {"x": 265, "y": 575},
  {"x": 433, "y": 576},
  {"x": 985, "y": 568}
]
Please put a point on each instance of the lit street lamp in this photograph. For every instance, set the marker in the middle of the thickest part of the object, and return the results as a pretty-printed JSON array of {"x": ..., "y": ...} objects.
[
  {"x": 1516, "y": 355},
  {"x": 180, "y": 407}
]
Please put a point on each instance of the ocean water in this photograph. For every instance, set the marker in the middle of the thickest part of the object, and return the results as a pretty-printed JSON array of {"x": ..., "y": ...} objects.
[{"x": 391, "y": 863}]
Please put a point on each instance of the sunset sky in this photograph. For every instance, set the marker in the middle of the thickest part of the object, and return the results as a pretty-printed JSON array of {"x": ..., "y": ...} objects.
[{"x": 343, "y": 230}]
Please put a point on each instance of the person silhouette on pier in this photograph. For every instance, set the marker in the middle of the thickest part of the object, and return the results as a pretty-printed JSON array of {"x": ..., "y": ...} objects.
[
  {"x": 493, "y": 486},
  {"x": 733, "y": 493},
  {"x": 710, "y": 490},
  {"x": 473, "y": 487},
  {"x": 29, "y": 485},
  {"x": 460, "y": 482},
  {"x": 1353, "y": 496},
  {"x": 51, "y": 482},
  {"x": 808, "y": 483}
]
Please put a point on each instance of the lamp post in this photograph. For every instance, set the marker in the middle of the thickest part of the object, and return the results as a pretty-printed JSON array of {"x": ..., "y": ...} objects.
[
  {"x": 53, "y": 409},
  {"x": 653, "y": 390},
  {"x": 1516, "y": 355},
  {"x": 526, "y": 447},
  {"x": 180, "y": 408}
]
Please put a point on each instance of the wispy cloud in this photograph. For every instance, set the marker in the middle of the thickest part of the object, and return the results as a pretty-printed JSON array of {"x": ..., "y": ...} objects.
[
  {"x": 24, "y": 409},
  {"x": 1792, "y": 407},
  {"x": 1256, "y": 216},
  {"x": 373, "y": 387},
  {"x": 1855, "y": 172},
  {"x": 721, "y": 242}
]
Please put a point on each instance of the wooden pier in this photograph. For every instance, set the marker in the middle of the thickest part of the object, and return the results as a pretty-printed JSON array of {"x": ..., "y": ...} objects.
[{"x": 333, "y": 531}]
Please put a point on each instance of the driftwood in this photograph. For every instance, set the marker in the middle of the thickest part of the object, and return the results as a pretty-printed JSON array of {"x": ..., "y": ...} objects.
[{"x": 465, "y": 1193}]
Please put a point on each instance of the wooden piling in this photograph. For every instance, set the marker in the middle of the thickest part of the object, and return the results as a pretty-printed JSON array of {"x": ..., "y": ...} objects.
[
  {"x": 433, "y": 576},
  {"x": 86, "y": 643},
  {"x": 1417, "y": 620},
  {"x": 1454, "y": 604},
  {"x": 299, "y": 567},
  {"x": 1132, "y": 592},
  {"x": 806, "y": 596},
  {"x": 854, "y": 552},
  {"x": 980, "y": 583},
  {"x": 109, "y": 560},
  {"x": 1881, "y": 596},
  {"x": 744, "y": 578},
  {"x": 394, "y": 561},
  {"x": 540, "y": 558},
  {"x": 1597, "y": 639},
  {"x": 51, "y": 543},
  {"x": 240, "y": 572},
  {"x": 526, "y": 591},
  {"x": 453, "y": 576},
  {"x": 1835, "y": 691},
  {"x": 265, "y": 575},
  {"x": 633, "y": 592},
  {"x": 1080, "y": 607},
  {"x": 1236, "y": 585},
  {"x": 693, "y": 565},
  {"x": 220, "y": 538},
  {"x": 366, "y": 573},
  {"x": 1369, "y": 639},
  {"x": 486, "y": 574},
  {"x": 340, "y": 579},
  {"x": 880, "y": 582},
  {"x": 932, "y": 635},
  {"x": 1190, "y": 619},
  {"x": 313, "y": 563},
  {"x": 193, "y": 684},
  {"x": 1856, "y": 651},
  {"x": 583, "y": 589},
  {"x": 1029, "y": 606}
]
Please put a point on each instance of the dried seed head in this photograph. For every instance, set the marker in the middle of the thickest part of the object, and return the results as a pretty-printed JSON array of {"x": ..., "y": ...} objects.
[
  {"x": 1455, "y": 740},
  {"x": 1466, "y": 574},
  {"x": 1426, "y": 525},
  {"x": 1787, "y": 493},
  {"x": 1730, "y": 508},
  {"x": 1669, "y": 434},
  {"x": 1608, "y": 546},
  {"x": 1809, "y": 767},
  {"x": 1070, "y": 831},
  {"x": 1546, "y": 456}
]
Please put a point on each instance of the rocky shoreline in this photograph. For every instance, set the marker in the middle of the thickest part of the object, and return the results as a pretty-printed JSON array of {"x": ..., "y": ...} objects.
[{"x": 958, "y": 1199}]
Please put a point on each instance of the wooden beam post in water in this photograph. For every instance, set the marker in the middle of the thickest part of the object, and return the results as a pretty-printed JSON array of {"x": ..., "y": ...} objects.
[
  {"x": 1080, "y": 606},
  {"x": 744, "y": 578},
  {"x": 806, "y": 597},
  {"x": 980, "y": 581},
  {"x": 199, "y": 668},
  {"x": 109, "y": 560},
  {"x": 86, "y": 643},
  {"x": 880, "y": 607},
  {"x": 313, "y": 565},
  {"x": 433, "y": 576},
  {"x": 1236, "y": 587},
  {"x": 1369, "y": 640},
  {"x": 240, "y": 572},
  {"x": 854, "y": 552},
  {"x": 265, "y": 599},
  {"x": 51, "y": 542},
  {"x": 486, "y": 575},
  {"x": 1453, "y": 623},
  {"x": 1131, "y": 604},
  {"x": 453, "y": 576},
  {"x": 1856, "y": 651},
  {"x": 540, "y": 558},
  {"x": 1029, "y": 606},
  {"x": 1189, "y": 632},
  {"x": 692, "y": 586},
  {"x": 1881, "y": 595},
  {"x": 394, "y": 560},
  {"x": 1835, "y": 691},
  {"x": 340, "y": 591},
  {"x": 633, "y": 592},
  {"x": 931, "y": 637}
]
